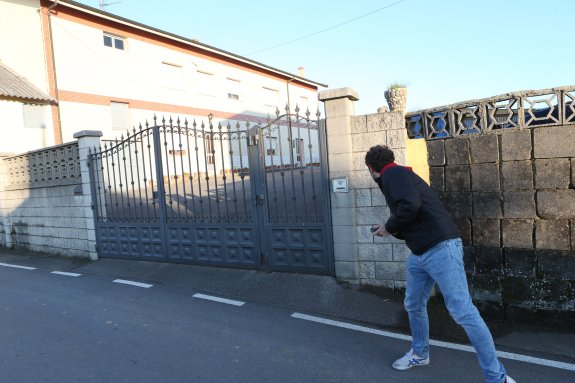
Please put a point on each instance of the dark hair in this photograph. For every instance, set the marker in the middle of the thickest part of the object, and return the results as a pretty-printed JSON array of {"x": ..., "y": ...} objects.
[{"x": 378, "y": 156}]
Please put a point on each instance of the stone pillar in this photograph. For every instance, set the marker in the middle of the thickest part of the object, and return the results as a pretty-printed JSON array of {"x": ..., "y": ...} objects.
[
  {"x": 339, "y": 107},
  {"x": 88, "y": 139},
  {"x": 6, "y": 224}
]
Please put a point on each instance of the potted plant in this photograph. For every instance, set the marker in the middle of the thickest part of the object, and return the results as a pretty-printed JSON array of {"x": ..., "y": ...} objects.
[{"x": 396, "y": 97}]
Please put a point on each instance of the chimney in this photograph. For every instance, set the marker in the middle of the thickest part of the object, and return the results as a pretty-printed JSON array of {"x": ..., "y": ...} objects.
[{"x": 301, "y": 71}]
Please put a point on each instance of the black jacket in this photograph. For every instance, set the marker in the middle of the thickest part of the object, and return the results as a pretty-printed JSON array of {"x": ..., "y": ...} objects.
[{"x": 417, "y": 215}]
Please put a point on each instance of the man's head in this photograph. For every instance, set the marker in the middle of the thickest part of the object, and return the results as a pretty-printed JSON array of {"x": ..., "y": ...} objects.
[{"x": 377, "y": 157}]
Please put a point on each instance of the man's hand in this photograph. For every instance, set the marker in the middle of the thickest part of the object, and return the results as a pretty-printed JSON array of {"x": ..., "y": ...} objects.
[{"x": 379, "y": 230}]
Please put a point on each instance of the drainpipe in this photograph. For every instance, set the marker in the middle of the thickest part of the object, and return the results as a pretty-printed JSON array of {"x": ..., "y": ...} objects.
[
  {"x": 58, "y": 138},
  {"x": 291, "y": 148}
]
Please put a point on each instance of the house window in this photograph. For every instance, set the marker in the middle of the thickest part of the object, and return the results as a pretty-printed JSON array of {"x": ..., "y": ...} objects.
[
  {"x": 233, "y": 89},
  {"x": 303, "y": 104},
  {"x": 177, "y": 152},
  {"x": 33, "y": 116},
  {"x": 172, "y": 76},
  {"x": 120, "y": 115},
  {"x": 205, "y": 83},
  {"x": 299, "y": 146},
  {"x": 113, "y": 41},
  {"x": 209, "y": 140},
  {"x": 271, "y": 145},
  {"x": 271, "y": 97}
]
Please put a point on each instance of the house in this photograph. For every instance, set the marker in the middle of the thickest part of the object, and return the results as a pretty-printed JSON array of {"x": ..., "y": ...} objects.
[
  {"x": 25, "y": 113},
  {"x": 112, "y": 74},
  {"x": 198, "y": 174}
]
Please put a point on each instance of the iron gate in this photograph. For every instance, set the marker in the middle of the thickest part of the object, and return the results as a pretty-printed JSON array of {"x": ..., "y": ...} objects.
[{"x": 247, "y": 195}]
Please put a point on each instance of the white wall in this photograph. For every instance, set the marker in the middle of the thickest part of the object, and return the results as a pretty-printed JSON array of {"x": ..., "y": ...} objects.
[
  {"x": 84, "y": 65},
  {"x": 21, "y": 45},
  {"x": 16, "y": 137}
]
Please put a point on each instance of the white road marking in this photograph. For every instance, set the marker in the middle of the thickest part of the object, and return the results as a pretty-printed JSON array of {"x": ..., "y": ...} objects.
[
  {"x": 453, "y": 346},
  {"x": 66, "y": 273},
  {"x": 218, "y": 299},
  {"x": 132, "y": 283},
  {"x": 17, "y": 266}
]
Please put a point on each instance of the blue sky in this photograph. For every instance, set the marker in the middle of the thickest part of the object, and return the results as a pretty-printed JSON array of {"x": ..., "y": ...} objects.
[{"x": 446, "y": 51}]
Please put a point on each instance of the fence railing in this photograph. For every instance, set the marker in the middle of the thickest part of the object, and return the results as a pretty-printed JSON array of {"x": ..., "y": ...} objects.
[
  {"x": 527, "y": 109},
  {"x": 53, "y": 166}
]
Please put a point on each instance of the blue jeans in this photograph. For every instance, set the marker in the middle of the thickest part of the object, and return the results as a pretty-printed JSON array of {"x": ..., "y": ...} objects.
[{"x": 443, "y": 263}]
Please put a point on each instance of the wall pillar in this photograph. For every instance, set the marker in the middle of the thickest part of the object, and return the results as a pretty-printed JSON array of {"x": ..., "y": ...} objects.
[
  {"x": 339, "y": 105},
  {"x": 6, "y": 224},
  {"x": 88, "y": 140}
]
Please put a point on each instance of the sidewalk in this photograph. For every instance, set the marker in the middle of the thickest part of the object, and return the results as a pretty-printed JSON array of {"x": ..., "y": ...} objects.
[{"x": 310, "y": 294}]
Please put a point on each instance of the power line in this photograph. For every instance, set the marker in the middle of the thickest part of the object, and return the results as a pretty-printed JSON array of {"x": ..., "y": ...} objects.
[{"x": 326, "y": 29}]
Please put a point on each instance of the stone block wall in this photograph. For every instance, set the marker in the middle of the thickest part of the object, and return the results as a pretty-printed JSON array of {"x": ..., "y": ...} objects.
[
  {"x": 47, "y": 219},
  {"x": 512, "y": 196},
  {"x": 381, "y": 260},
  {"x": 359, "y": 256},
  {"x": 45, "y": 200}
]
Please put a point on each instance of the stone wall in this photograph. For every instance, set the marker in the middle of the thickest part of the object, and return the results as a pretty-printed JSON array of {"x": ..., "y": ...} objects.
[
  {"x": 48, "y": 219},
  {"x": 505, "y": 169},
  {"x": 381, "y": 259},
  {"x": 46, "y": 200},
  {"x": 359, "y": 256},
  {"x": 512, "y": 197},
  {"x": 504, "y": 166}
]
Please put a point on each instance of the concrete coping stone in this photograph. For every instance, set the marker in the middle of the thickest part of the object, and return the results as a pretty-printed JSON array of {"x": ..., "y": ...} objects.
[
  {"x": 88, "y": 133},
  {"x": 332, "y": 94}
]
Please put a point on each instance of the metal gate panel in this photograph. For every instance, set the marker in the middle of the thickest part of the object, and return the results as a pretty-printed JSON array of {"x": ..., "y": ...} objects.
[
  {"x": 232, "y": 246},
  {"x": 130, "y": 241},
  {"x": 178, "y": 193},
  {"x": 244, "y": 195},
  {"x": 295, "y": 215},
  {"x": 297, "y": 249}
]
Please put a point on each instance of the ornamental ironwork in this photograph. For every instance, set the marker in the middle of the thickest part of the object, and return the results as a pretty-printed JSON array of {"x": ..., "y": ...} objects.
[
  {"x": 200, "y": 172},
  {"x": 546, "y": 107}
]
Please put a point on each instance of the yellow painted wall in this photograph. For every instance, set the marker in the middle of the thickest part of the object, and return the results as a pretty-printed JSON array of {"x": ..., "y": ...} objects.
[{"x": 416, "y": 157}]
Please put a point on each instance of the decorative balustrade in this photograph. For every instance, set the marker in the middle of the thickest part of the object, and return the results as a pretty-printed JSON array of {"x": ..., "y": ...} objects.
[
  {"x": 527, "y": 109},
  {"x": 53, "y": 166}
]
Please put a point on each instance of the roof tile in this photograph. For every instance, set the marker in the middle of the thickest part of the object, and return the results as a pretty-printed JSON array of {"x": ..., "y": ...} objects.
[{"x": 13, "y": 85}]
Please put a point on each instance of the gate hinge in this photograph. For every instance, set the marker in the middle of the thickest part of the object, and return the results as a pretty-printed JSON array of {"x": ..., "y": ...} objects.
[{"x": 263, "y": 259}]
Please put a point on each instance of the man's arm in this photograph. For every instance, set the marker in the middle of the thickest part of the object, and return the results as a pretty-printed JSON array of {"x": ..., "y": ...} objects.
[{"x": 403, "y": 192}]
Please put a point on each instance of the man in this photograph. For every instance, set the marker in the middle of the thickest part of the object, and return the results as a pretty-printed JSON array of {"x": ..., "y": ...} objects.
[{"x": 419, "y": 218}]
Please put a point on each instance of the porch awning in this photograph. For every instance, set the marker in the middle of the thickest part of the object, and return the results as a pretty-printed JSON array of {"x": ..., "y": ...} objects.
[{"x": 14, "y": 87}]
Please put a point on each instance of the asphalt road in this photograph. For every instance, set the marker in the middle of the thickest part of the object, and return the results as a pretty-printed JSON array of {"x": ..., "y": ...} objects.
[{"x": 86, "y": 328}]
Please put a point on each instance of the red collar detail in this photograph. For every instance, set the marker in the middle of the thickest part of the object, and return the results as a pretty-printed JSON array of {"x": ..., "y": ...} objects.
[{"x": 391, "y": 165}]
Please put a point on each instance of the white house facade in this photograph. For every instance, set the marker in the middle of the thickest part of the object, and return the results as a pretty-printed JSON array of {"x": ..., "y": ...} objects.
[{"x": 112, "y": 74}]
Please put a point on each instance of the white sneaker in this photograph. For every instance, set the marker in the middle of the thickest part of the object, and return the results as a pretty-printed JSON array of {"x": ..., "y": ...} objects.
[
  {"x": 509, "y": 379},
  {"x": 411, "y": 360}
]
